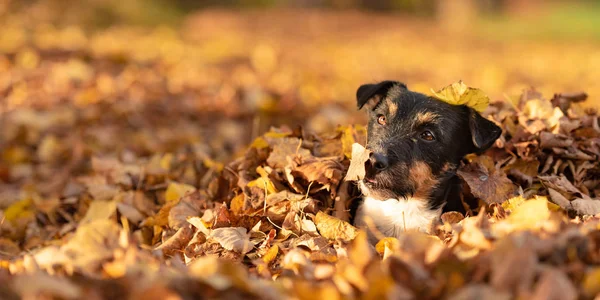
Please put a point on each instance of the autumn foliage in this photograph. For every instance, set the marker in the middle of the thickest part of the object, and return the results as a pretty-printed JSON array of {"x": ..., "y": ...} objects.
[{"x": 172, "y": 165}]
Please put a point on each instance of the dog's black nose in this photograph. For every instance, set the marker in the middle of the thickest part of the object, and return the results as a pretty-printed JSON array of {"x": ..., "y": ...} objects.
[{"x": 378, "y": 161}]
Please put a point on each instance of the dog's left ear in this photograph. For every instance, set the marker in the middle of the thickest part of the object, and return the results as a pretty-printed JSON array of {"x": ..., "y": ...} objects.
[
  {"x": 483, "y": 131},
  {"x": 367, "y": 92}
]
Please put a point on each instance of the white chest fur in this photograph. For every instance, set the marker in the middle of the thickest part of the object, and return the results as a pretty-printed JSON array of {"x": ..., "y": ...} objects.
[{"x": 392, "y": 217}]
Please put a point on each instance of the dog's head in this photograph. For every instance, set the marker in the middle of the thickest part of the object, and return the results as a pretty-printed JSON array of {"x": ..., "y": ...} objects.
[{"x": 416, "y": 141}]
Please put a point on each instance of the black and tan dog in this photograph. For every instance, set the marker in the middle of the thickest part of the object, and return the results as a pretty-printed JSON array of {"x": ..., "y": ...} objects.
[{"x": 417, "y": 143}]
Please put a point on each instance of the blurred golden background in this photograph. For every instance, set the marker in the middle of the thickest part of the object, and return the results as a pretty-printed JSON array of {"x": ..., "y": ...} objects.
[{"x": 221, "y": 72}]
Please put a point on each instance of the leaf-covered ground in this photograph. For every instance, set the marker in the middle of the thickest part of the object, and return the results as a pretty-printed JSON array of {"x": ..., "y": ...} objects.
[{"x": 137, "y": 164}]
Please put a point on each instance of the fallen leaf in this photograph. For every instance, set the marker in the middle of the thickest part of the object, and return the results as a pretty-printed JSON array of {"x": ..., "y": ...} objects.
[
  {"x": 32, "y": 286},
  {"x": 177, "y": 190},
  {"x": 530, "y": 214},
  {"x": 285, "y": 147},
  {"x": 452, "y": 217},
  {"x": 232, "y": 238},
  {"x": 588, "y": 207},
  {"x": 360, "y": 155},
  {"x": 177, "y": 242},
  {"x": 480, "y": 291},
  {"x": 334, "y": 228},
  {"x": 92, "y": 244},
  {"x": 271, "y": 254},
  {"x": 491, "y": 187},
  {"x": 554, "y": 284},
  {"x": 591, "y": 282},
  {"x": 390, "y": 243},
  {"x": 459, "y": 93},
  {"x": 99, "y": 210}
]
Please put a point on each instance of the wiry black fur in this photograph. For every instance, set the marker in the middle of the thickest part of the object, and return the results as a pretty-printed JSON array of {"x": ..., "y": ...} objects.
[{"x": 458, "y": 131}]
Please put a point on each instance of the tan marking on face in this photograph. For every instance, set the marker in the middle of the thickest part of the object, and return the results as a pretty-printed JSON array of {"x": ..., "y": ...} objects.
[
  {"x": 426, "y": 117},
  {"x": 424, "y": 181},
  {"x": 392, "y": 107}
]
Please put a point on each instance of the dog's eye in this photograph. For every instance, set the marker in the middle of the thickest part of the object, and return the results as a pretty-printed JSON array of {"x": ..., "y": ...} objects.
[
  {"x": 427, "y": 135},
  {"x": 381, "y": 120}
]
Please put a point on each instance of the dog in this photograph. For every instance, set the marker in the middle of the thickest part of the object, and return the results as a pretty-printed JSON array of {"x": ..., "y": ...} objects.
[{"x": 417, "y": 143}]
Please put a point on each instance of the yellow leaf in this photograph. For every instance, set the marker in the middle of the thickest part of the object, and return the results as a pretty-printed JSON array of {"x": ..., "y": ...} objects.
[
  {"x": 237, "y": 204},
  {"x": 19, "y": 210},
  {"x": 177, "y": 190},
  {"x": 388, "y": 242},
  {"x": 513, "y": 203},
  {"x": 271, "y": 254},
  {"x": 334, "y": 228},
  {"x": 350, "y": 134},
  {"x": 276, "y": 135},
  {"x": 15, "y": 154},
  {"x": 538, "y": 109},
  {"x": 99, "y": 210},
  {"x": 591, "y": 283},
  {"x": 530, "y": 213},
  {"x": 27, "y": 59},
  {"x": 49, "y": 149},
  {"x": 262, "y": 172},
  {"x": 165, "y": 161},
  {"x": 211, "y": 164},
  {"x": 553, "y": 207},
  {"x": 259, "y": 143},
  {"x": 263, "y": 181},
  {"x": 459, "y": 93}
]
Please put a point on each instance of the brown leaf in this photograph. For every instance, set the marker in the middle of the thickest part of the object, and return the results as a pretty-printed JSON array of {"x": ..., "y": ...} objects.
[
  {"x": 178, "y": 241},
  {"x": 323, "y": 171},
  {"x": 558, "y": 199},
  {"x": 590, "y": 207},
  {"x": 549, "y": 140},
  {"x": 489, "y": 186},
  {"x": 190, "y": 205},
  {"x": 524, "y": 171},
  {"x": 284, "y": 148},
  {"x": 32, "y": 286},
  {"x": 554, "y": 285},
  {"x": 562, "y": 185},
  {"x": 452, "y": 217},
  {"x": 479, "y": 291},
  {"x": 564, "y": 100},
  {"x": 507, "y": 257}
]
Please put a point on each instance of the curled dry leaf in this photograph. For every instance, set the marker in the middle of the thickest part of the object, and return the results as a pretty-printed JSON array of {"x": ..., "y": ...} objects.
[
  {"x": 191, "y": 205},
  {"x": 334, "y": 228},
  {"x": 452, "y": 217},
  {"x": 323, "y": 171},
  {"x": 360, "y": 155},
  {"x": 177, "y": 241},
  {"x": 459, "y": 93},
  {"x": 232, "y": 238},
  {"x": 284, "y": 148},
  {"x": 590, "y": 207}
]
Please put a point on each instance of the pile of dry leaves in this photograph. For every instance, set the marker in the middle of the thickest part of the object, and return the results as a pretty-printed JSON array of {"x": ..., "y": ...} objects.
[
  {"x": 270, "y": 224},
  {"x": 131, "y": 170}
]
